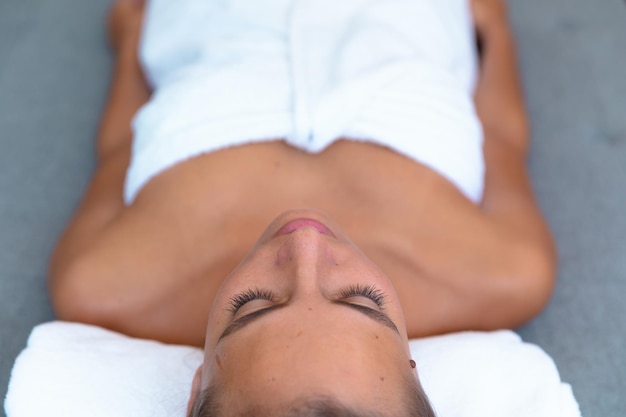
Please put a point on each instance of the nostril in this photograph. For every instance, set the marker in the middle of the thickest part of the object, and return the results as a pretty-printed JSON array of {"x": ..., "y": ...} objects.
[{"x": 297, "y": 224}]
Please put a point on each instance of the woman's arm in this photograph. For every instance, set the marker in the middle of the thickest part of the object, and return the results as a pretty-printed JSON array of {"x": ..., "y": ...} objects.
[
  {"x": 499, "y": 99},
  {"x": 508, "y": 199},
  {"x": 491, "y": 266},
  {"x": 129, "y": 90},
  {"x": 103, "y": 200},
  {"x": 110, "y": 268},
  {"x": 499, "y": 102}
]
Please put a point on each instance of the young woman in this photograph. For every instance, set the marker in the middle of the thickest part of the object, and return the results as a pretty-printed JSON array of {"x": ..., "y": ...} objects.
[{"x": 383, "y": 173}]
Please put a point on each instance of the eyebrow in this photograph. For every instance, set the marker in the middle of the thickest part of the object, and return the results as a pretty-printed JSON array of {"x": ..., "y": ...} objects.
[{"x": 377, "y": 316}]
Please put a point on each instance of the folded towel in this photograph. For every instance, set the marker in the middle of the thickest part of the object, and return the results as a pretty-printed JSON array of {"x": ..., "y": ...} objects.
[{"x": 70, "y": 369}]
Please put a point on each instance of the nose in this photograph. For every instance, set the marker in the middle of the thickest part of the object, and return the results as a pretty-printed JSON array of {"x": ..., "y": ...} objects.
[{"x": 307, "y": 255}]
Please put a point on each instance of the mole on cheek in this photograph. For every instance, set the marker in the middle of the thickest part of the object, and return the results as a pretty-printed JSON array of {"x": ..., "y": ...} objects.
[{"x": 382, "y": 379}]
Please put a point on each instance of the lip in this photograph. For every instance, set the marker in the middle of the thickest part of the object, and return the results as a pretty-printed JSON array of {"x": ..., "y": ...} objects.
[{"x": 296, "y": 224}]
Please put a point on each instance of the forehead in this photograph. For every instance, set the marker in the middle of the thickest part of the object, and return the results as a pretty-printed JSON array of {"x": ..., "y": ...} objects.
[{"x": 283, "y": 359}]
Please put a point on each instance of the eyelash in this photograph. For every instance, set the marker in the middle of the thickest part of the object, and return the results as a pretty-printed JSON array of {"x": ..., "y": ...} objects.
[
  {"x": 242, "y": 298},
  {"x": 367, "y": 291}
]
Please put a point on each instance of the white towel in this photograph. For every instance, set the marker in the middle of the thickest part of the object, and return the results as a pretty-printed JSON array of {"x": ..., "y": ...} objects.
[
  {"x": 77, "y": 370},
  {"x": 398, "y": 73}
]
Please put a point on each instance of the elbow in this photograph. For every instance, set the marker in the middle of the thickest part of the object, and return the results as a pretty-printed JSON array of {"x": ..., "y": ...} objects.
[
  {"x": 519, "y": 289},
  {"x": 530, "y": 282},
  {"x": 79, "y": 293}
]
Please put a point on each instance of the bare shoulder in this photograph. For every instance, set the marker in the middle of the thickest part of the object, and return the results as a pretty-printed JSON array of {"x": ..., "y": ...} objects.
[{"x": 466, "y": 270}]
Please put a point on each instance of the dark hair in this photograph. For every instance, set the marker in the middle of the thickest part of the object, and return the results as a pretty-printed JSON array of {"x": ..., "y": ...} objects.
[{"x": 415, "y": 402}]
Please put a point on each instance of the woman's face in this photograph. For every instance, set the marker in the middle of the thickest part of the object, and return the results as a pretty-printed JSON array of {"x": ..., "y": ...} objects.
[{"x": 306, "y": 312}]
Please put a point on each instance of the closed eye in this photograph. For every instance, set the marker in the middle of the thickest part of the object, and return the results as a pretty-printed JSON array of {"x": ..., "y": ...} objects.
[
  {"x": 239, "y": 300},
  {"x": 367, "y": 291},
  {"x": 355, "y": 290}
]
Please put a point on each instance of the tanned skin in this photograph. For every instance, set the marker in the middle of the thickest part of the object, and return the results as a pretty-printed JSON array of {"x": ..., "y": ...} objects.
[{"x": 151, "y": 269}]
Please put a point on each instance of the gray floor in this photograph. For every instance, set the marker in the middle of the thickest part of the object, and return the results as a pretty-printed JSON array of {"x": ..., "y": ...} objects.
[{"x": 54, "y": 70}]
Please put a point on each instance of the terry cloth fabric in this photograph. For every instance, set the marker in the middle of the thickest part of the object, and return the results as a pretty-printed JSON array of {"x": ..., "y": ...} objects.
[
  {"x": 75, "y": 370},
  {"x": 399, "y": 73}
]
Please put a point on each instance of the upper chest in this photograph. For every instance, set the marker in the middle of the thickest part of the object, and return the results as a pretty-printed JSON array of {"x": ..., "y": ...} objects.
[
  {"x": 214, "y": 207},
  {"x": 255, "y": 181}
]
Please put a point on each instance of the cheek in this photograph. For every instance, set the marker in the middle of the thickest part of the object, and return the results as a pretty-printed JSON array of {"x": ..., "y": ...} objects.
[
  {"x": 217, "y": 320},
  {"x": 214, "y": 363}
]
